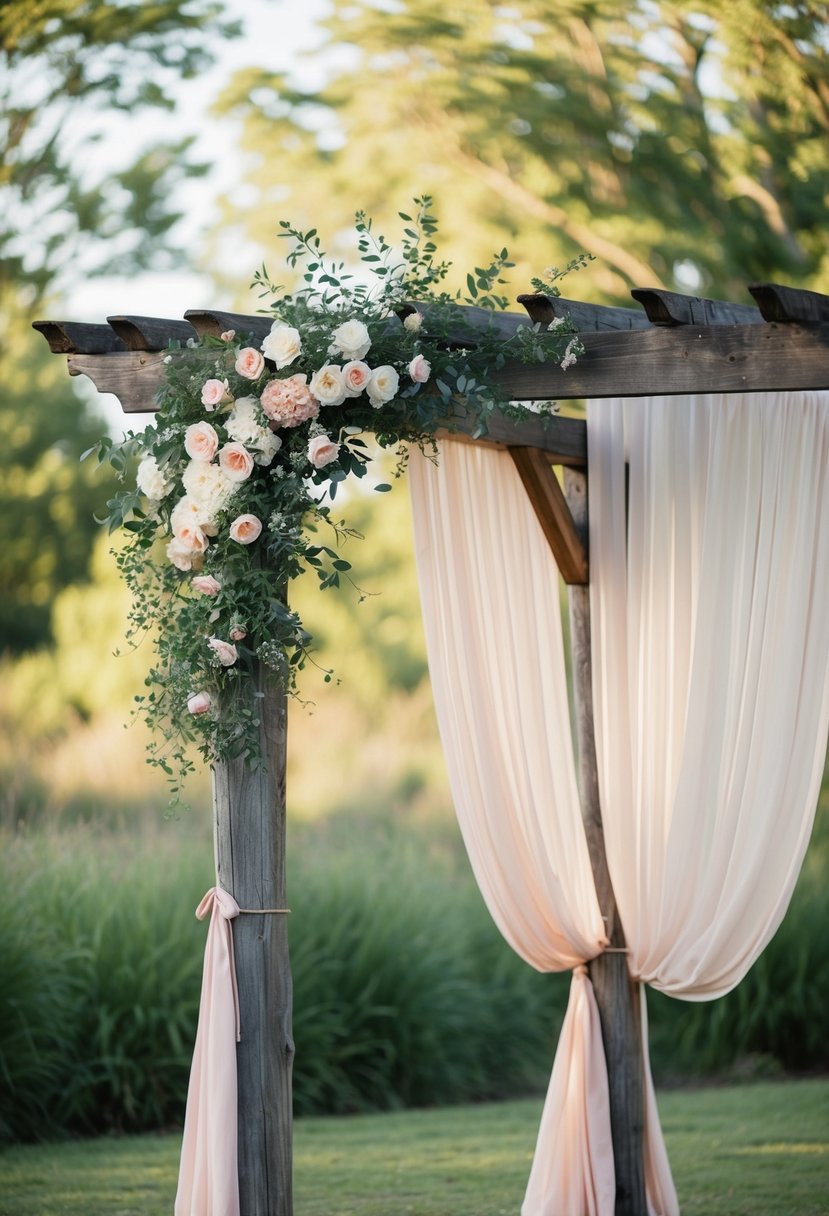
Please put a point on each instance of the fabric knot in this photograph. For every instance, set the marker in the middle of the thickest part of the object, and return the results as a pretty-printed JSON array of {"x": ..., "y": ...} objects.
[
  {"x": 580, "y": 970},
  {"x": 224, "y": 902}
]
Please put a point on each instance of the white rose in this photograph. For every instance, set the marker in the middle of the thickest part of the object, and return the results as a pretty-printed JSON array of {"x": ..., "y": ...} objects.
[
  {"x": 283, "y": 344},
  {"x": 382, "y": 386},
  {"x": 245, "y": 420},
  {"x": 351, "y": 339},
  {"x": 207, "y": 485},
  {"x": 151, "y": 481},
  {"x": 328, "y": 385}
]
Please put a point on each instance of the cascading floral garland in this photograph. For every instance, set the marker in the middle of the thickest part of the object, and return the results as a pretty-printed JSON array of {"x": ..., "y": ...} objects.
[{"x": 251, "y": 442}]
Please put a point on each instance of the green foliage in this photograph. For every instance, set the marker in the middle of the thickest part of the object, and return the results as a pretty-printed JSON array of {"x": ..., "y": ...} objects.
[
  {"x": 682, "y": 142},
  {"x": 257, "y": 465}
]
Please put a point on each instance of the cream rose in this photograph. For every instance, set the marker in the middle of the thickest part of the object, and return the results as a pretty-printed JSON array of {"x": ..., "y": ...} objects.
[
  {"x": 207, "y": 584},
  {"x": 420, "y": 369},
  {"x": 151, "y": 481},
  {"x": 201, "y": 442},
  {"x": 328, "y": 385},
  {"x": 215, "y": 393},
  {"x": 245, "y": 529},
  {"x": 282, "y": 345},
  {"x": 356, "y": 376},
  {"x": 224, "y": 651},
  {"x": 191, "y": 537},
  {"x": 322, "y": 451},
  {"x": 351, "y": 339},
  {"x": 383, "y": 385},
  {"x": 199, "y": 703},
  {"x": 249, "y": 363},
  {"x": 236, "y": 462}
]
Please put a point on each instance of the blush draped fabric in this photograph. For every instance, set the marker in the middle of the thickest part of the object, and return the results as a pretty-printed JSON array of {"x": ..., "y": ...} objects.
[
  {"x": 710, "y": 614},
  {"x": 208, "y": 1183}
]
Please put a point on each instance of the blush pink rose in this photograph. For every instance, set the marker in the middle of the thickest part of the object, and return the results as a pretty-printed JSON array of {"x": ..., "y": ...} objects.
[
  {"x": 201, "y": 442},
  {"x": 356, "y": 376},
  {"x": 207, "y": 584},
  {"x": 420, "y": 369},
  {"x": 238, "y": 633},
  {"x": 236, "y": 462},
  {"x": 289, "y": 402},
  {"x": 215, "y": 393},
  {"x": 199, "y": 703},
  {"x": 182, "y": 557},
  {"x": 245, "y": 529},
  {"x": 250, "y": 363},
  {"x": 226, "y": 654},
  {"x": 322, "y": 451},
  {"x": 191, "y": 537}
]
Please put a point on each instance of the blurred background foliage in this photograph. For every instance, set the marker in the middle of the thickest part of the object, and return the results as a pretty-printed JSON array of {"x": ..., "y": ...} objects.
[{"x": 684, "y": 144}]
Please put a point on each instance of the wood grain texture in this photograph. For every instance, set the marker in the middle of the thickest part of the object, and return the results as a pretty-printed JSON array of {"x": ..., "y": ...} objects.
[
  {"x": 587, "y": 318},
  {"x": 249, "y": 818},
  {"x": 682, "y": 359},
  {"x": 133, "y": 376},
  {"x": 547, "y": 497},
  {"x": 214, "y": 322},
  {"x": 150, "y": 333},
  {"x": 778, "y": 303},
  {"x": 69, "y": 337},
  {"x": 671, "y": 308},
  {"x": 617, "y": 996}
]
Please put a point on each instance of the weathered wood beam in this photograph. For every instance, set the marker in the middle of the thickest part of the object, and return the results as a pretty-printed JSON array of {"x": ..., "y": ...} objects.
[
  {"x": 670, "y": 308},
  {"x": 617, "y": 996},
  {"x": 779, "y": 303},
  {"x": 547, "y": 497},
  {"x": 249, "y": 832},
  {"x": 682, "y": 360},
  {"x": 150, "y": 333},
  {"x": 133, "y": 376},
  {"x": 213, "y": 322},
  {"x": 587, "y": 318},
  {"x": 67, "y": 337}
]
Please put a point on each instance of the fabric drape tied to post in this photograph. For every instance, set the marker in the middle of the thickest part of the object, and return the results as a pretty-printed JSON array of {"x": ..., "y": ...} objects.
[
  {"x": 208, "y": 1183},
  {"x": 710, "y": 615}
]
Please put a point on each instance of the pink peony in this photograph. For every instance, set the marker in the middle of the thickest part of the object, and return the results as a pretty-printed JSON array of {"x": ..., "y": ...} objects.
[
  {"x": 245, "y": 529},
  {"x": 289, "y": 402},
  {"x": 199, "y": 703},
  {"x": 236, "y": 462},
  {"x": 201, "y": 442},
  {"x": 250, "y": 363},
  {"x": 225, "y": 653},
  {"x": 214, "y": 393},
  {"x": 420, "y": 369},
  {"x": 207, "y": 584},
  {"x": 322, "y": 451}
]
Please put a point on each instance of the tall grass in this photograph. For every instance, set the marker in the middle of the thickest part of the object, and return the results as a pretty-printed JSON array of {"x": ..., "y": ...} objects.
[{"x": 404, "y": 992}]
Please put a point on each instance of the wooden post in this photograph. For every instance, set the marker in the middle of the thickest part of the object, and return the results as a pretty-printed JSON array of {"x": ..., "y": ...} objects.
[
  {"x": 617, "y": 997},
  {"x": 249, "y": 820}
]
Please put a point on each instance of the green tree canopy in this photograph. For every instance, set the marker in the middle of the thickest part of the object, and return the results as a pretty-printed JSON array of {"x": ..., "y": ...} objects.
[{"x": 683, "y": 143}]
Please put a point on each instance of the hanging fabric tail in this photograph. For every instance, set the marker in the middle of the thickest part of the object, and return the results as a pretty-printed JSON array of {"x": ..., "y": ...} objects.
[
  {"x": 572, "y": 1173},
  {"x": 208, "y": 1183}
]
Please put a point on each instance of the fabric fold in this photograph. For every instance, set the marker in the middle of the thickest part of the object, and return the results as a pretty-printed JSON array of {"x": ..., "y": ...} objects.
[{"x": 208, "y": 1183}]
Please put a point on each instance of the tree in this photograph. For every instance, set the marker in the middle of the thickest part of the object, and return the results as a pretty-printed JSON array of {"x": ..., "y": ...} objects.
[
  {"x": 64, "y": 64},
  {"x": 682, "y": 143}
]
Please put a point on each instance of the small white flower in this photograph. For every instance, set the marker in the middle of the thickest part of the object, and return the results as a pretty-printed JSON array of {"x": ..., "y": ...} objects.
[
  {"x": 557, "y": 323},
  {"x": 413, "y": 322}
]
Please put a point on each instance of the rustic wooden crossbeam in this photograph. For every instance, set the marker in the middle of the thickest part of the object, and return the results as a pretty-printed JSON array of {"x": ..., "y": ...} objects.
[{"x": 673, "y": 345}]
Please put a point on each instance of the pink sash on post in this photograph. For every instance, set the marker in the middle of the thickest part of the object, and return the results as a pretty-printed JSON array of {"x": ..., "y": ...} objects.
[{"x": 208, "y": 1181}]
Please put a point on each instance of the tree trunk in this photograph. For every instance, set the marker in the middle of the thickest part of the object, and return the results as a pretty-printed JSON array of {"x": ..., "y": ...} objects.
[
  {"x": 249, "y": 817},
  {"x": 617, "y": 996}
]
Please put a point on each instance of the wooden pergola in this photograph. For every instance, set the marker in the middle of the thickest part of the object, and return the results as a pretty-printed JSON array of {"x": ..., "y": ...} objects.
[{"x": 672, "y": 345}]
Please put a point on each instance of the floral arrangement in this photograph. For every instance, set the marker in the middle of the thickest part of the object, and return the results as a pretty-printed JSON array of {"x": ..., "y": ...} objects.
[{"x": 253, "y": 439}]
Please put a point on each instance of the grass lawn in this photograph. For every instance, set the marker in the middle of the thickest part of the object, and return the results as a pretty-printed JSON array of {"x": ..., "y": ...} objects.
[{"x": 754, "y": 1150}]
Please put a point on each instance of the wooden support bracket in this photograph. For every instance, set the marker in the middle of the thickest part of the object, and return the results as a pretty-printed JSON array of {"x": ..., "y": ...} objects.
[{"x": 568, "y": 544}]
